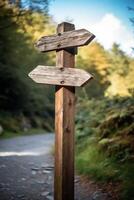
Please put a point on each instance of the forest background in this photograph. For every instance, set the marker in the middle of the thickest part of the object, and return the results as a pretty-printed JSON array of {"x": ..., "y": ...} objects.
[{"x": 104, "y": 110}]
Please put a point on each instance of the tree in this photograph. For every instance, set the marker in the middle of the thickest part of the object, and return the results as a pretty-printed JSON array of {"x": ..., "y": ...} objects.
[
  {"x": 119, "y": 72},
  {"x": 112, "y": 70},
  {"x": 18, "y": 93},
  {"x": 95, "y": 59},
  {"x": 15, "y": 9},
  {"x": 119, "y": 60}
]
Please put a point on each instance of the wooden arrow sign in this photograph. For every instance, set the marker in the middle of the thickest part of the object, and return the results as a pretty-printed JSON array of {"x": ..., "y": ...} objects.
[
  {"x": 64, "y": 40},
  {"x": 60, "y": 76}
]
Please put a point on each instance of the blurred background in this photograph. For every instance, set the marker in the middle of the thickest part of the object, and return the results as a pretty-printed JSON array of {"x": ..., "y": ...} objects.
[{"x": 105, "y": 107}]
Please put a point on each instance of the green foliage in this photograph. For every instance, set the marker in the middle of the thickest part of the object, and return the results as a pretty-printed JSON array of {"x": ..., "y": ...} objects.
[
  {"x": 119, "y": 61},
  {"x": 10, "y": 123},
  {"x": 105, "y": 143},
  {"x": 119, "y": 73},
  {"x": 32, "y": 131},
  {"x": 20, "y": 96},
  {"x": 104, "y": 127},
  {"x": 96, "y": 164},
  {"x": 18, "y": 57},
  {"x": 112, "y": 70},
  {"x": 94, "y": 59}
]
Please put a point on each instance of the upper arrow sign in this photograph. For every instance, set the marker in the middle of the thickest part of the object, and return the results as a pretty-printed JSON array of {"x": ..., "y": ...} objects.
[
  {"x": 64, "y": 40},
  {"x": 60, "y": 76}
]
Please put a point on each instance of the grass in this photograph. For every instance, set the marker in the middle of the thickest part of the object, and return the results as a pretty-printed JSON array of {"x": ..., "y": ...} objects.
[
  {"x": 104, "y": 143},
  {"x": 98, "y": 166},
  {"x": 9, "y": 134},
  {"x": 127, "y": 176}
]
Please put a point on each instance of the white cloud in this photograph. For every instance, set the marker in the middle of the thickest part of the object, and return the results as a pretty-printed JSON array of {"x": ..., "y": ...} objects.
[{"x": 111, "y": 29}]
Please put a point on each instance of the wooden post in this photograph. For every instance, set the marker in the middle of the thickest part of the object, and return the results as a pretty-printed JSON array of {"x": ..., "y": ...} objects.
[
  {"x": 65, "y": 42},
  {"x": 64, "y": 126}
]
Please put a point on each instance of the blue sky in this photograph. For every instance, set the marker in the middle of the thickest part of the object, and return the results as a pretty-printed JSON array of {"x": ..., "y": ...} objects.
[{"x": 107, "y": 19}]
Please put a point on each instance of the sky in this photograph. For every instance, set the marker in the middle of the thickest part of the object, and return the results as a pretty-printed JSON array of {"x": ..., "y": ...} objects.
[{"x": 107, "y": 19}]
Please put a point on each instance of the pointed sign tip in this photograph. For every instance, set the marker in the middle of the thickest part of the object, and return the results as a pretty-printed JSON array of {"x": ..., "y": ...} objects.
[
  {"x": 90, "y": 38},
  {"x": 60, "y": 76},
  {"x": 64, "y": 40},
  {"x": 30, "y": 74},
  {"x": 87, "y": 81}
]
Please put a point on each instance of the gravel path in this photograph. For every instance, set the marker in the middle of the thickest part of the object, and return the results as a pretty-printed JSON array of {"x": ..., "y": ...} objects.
[{"x": 26, "y": 170}]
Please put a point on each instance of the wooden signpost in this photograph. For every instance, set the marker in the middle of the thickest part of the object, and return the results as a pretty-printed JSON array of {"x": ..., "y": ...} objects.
[
  {"x": 65, "y": 77},
  {"x": 60, "y": 76},
  {"x": 63, "y": 40}
]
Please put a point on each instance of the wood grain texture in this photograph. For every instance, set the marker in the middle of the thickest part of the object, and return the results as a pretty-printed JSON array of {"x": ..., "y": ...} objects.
[
  {"x": 64, "y": 40},
  {"x": 64, "y": 129},
  {"x": 60, "y": 76}
]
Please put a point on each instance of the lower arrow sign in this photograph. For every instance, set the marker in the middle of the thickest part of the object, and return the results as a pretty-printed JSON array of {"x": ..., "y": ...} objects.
[{"x": 60, "y": 76}]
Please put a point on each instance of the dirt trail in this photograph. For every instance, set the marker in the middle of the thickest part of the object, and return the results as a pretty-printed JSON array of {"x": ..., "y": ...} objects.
[{"x": 26, "y": 171}]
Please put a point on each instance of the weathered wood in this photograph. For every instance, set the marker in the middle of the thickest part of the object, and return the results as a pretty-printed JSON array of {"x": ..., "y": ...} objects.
[
  {"x": 60, "y": 76},
  {"x": 64, "y": 129},
  {"x": 64, "y": 40}
]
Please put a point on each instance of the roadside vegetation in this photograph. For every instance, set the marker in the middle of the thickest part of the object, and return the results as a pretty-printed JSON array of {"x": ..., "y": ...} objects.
[
  {"x": 24, "y": 104},
  {"x": 105, "y": 107},
  {"x": 105, "y": 119},
  {"x": 105, "y": 142}
]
